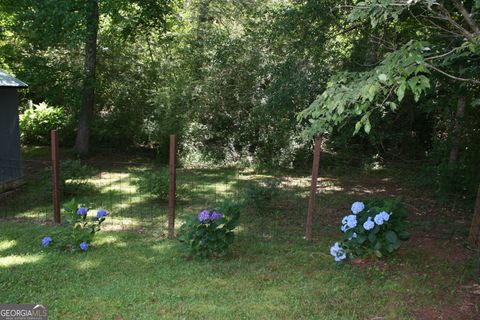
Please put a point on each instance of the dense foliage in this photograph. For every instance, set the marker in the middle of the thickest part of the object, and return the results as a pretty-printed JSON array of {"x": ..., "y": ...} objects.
[
  {"x": 38, "y": 120},
  {"x": 230, "y": 77}
]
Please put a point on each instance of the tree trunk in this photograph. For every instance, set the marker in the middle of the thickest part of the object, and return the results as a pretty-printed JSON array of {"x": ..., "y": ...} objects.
[
  {"x": 474, "y": 236},
  {"x": 457, "y": 131},
  {"x": 82, "y": 141}
]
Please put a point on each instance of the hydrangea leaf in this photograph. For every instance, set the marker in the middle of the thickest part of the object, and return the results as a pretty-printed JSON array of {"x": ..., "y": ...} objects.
[{"x": 391, "y": 237}]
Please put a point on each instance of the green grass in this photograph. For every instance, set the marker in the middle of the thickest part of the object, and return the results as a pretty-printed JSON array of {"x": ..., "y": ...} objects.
[
  {"x": 143, "y": 277},
  {"x": 271, "y": 273}
]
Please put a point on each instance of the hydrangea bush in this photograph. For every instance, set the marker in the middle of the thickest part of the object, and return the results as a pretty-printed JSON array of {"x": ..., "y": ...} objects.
[
  {"x": 77, "y": 229},
  {"x": 210, "y": 233},
  {"x": 373, "y": 228}
]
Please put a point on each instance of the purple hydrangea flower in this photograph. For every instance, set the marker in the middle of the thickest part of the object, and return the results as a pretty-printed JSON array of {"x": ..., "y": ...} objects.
[
  {"x": 216, "y": 215},
  {"x": 203, "y": 216},
  {"x": 82, "y": 211},
  {"x": 84, "y": 246},
  {"x": 102, "y": 213},
  {"x": 46, "y": 241}
]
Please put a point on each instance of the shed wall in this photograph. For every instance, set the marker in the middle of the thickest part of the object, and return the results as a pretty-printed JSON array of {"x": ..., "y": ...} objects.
[{"x": 10, "y": 152}]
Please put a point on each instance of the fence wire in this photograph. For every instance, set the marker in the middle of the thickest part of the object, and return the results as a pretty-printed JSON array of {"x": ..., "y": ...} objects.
[{"x": 272, "y": 205}]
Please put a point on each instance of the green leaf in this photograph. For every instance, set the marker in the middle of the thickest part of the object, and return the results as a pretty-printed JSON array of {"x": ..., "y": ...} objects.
[
  {"x": 404, "y": 235},
  {"x": 367, "y": 127},
  {"x": 401, "y": 91},
  {"x": 361, "y": 239},
  {"x": 382, "y": 77},
  {"x": 391, "y": 237}
]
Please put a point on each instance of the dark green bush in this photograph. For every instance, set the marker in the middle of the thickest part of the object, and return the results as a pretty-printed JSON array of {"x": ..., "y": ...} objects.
[
  {"x": 74, "y": 176},
  {"x": 154, "y": 182},
  {"x": 260, "y": 194}
]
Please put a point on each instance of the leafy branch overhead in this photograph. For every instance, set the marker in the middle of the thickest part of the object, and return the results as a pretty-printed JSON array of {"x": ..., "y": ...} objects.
[
  {"x": 361, "y": 93},
  {"x": 409, "y": 68}
]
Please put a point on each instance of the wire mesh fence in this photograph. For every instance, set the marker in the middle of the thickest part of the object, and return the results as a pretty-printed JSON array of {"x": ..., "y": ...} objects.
[{"x": 135, "y": 194}]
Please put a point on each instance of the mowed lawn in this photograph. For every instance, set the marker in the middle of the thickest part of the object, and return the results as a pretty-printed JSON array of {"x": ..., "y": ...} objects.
[{"x": 271, "y": 273}]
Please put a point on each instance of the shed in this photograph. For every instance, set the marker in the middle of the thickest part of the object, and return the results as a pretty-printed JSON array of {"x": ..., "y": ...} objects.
[{"x": 11, "y": 167}]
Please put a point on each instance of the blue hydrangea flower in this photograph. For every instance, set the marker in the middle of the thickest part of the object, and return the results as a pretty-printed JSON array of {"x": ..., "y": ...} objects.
[
  {"x": 46, "y": 241},
  {"x": 385, "y": 215},
  {"x": 216, "y": 215},
  {"x": 369, "y": 224},
  {"x": 381, "y": 217},
  {"x": 351, "y": 221},
  {"x": 82, "y": 211},
  {"x": 203, "y": 216},
  {"x": 102, "y": 213},
  {"x": 378, "y": 219},
  {"x": 84, "y": 246},
  {"x": 353, "y": 236},
  {"x": 338, "y": 252},
  {"x": 357, "y": 207}
]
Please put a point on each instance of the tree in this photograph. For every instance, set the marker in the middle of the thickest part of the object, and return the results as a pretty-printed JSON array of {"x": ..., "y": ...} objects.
[
  {"x": 86, "y": 111},
  {"x": 57, "y": 31},
  {"x": 451, "y": 33}
]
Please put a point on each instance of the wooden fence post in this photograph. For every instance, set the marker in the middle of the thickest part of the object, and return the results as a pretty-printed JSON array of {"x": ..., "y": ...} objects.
[
  {"x": 55, "y": 176},
  {"x": 171, "y": 185},
  {"x": 474, "y": 236},
  {"x": 313, "y": 187}
]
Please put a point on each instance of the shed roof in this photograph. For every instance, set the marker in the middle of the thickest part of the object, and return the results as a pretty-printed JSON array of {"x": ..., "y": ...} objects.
[{"x": 7, "y": 80}]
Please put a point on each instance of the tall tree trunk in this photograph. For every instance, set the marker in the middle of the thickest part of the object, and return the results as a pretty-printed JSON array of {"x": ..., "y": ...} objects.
[
  {"x": 82, "y": 141},
  {"x": 474, "y": 236},
  {"x": 457, "y": 131}
]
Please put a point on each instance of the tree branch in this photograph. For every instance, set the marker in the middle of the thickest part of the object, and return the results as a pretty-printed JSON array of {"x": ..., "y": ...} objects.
[
  {"x": 441, "y": 55},
  {"x": 467, "y": 17},
  {"x": 445, "y": 14},
  {"x": 452, "y": 76}
]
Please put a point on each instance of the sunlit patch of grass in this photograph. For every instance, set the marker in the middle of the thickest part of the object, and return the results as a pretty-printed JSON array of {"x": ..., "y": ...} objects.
[
  {"x": 87, "y": 265},
  {"x": 7, "y": 244},
  {"x": 16, "y": 260}
]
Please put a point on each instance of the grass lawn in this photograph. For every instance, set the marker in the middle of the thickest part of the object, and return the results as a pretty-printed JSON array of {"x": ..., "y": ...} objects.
[{"x": 271, "y": 273}]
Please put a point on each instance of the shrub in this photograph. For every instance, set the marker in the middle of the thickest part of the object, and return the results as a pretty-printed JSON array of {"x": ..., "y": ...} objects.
[
  {"x": 74, "y": 176},
  {"x": 154, "y": 183},
  {"x": 260, "y": 194},
  {"x": 38, "y": 120},
  {"x": 374, "y": 228},
  {"x": 77, "y": 230},
  {"x": 210, "y": 232}
]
